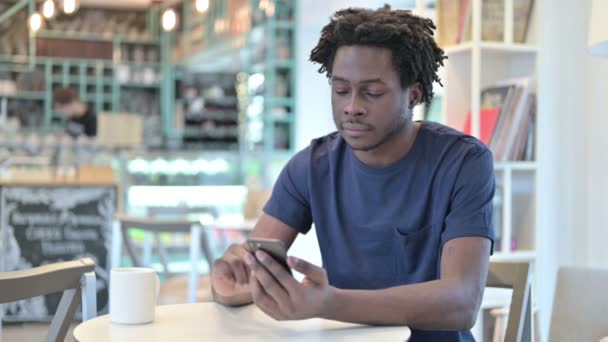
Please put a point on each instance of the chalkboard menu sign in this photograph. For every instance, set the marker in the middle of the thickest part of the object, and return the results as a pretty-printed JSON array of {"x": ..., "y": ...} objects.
[{"x": 47, "y": 224}]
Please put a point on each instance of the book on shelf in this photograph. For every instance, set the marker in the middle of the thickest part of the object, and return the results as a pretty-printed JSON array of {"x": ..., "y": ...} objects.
[
  {"x": 506, "y": 119},
  {"x": 487, "y": 122},
  {"x": 492, "y": 100},
  {"x": 448, "y": 16},
  {"x": 464, "y": 23},
  {"x": 493, "y": 20},
  {"x": 455, "y": 16},
  {"x": 522, "y": 17}
]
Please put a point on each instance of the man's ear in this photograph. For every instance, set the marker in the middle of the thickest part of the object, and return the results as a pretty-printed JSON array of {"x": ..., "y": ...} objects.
[{"x": 415, "y": 94}]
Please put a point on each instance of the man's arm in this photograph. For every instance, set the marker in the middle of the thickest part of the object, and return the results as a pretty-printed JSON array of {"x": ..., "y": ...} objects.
[
  {"x": 450, "y": 303},
  {"x": 230, "y": 276}
]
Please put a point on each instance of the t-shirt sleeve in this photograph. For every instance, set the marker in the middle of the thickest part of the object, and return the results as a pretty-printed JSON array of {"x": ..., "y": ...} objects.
[
  {"x": 470, "y": 211},
  {"x": 290, "y": 200}
]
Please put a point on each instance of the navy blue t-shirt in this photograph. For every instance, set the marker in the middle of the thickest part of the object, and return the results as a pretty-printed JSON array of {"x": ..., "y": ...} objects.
[{"x": 384, "y": 227}]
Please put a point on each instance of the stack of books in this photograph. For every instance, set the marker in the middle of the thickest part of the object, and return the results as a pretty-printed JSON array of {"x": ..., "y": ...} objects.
[
  {"x": 507, "y": 119},
  {"x": 454, "y": 20}
]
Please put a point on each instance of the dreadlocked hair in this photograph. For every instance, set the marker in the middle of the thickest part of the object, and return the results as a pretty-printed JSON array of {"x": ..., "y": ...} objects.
[{"x": 416, "y": 55}]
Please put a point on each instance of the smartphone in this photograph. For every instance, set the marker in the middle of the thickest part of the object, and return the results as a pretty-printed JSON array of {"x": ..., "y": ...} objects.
[{"x": 275, "y": 247}]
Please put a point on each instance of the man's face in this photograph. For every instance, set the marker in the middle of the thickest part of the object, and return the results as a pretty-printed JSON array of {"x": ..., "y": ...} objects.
[
  {"x": 369, "y": 105},
  {"x": 68, "y": 110}
]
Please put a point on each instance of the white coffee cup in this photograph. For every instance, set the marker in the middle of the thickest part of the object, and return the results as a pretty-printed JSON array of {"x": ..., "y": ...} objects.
[{"x": 133, "y": 295}]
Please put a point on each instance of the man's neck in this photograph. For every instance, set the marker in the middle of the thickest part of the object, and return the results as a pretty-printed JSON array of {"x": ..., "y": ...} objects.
[{"x": 392, "y": 150}]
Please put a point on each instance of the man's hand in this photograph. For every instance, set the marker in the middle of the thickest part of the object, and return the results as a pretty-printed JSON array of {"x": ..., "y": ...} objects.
[
  {"x": 230, "y": 277},
  {"x": 282, "y": 297}
]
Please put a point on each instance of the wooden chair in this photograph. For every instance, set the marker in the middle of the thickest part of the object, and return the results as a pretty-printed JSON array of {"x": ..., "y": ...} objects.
[
  {"x": 73, "y": 278},
  {"x": 198, "y": 242},
  {"x": 516, "y": 276},
  {"x": 160, "y": 213},
  {"x": 580, "y": 305}
]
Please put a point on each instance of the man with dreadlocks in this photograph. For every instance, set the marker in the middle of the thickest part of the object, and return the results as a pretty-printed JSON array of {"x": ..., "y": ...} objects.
[{"x": 402, "y": 209}]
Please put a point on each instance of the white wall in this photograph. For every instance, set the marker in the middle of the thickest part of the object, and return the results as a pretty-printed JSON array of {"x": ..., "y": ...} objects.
[
  {"x": 573, "y": 154},
  {"x": 596, "y": 120}
]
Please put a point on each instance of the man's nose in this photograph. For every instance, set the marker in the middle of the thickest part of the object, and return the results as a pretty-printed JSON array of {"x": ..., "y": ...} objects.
[{"x": 354, "y": 107}]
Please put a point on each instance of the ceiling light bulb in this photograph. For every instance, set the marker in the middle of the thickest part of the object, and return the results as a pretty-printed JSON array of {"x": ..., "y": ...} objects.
[
  {"x": 69, "y": 6},
  {"x": 35, "y": 22},
  {"x": 169, "y": 19},
  {"x": 48, "y": 9},
  {"x": 270, "y": 9},
  {"x": 202, "y": 5}
]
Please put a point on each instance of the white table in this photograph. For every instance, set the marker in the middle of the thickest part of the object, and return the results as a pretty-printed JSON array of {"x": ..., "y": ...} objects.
[{"x": 213, "y": 322}]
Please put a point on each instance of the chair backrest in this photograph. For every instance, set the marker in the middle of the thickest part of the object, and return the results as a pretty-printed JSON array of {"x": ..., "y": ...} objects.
[
  {"x": 149, "y": 225},
  {"x": 580, "y": 305},
  {"x": 73, "y": 278},
  {"x": 516, "y": 276},
  {"x": 181, "y": 211}
]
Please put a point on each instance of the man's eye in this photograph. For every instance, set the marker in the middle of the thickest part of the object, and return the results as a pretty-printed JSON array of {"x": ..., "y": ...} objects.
[
  {"x": 341, "y": 92},
  {"x": 375, "y": 95}
]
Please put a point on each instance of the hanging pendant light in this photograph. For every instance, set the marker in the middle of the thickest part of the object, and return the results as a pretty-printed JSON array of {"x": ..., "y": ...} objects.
[
  {"x": 35, "y": 22},
  {"x": 169, "y": 19},
  {"x": 202, "y": 5},
  {"x": 70, "y": 6},
  {"x": 48, "y": 9}
]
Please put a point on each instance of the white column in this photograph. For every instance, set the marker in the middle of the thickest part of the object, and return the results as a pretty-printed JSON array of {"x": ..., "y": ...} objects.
[{"x": 195, "y": 256}]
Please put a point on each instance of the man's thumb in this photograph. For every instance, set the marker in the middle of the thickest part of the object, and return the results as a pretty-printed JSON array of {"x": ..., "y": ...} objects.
[{"x": 312, "y": 272}]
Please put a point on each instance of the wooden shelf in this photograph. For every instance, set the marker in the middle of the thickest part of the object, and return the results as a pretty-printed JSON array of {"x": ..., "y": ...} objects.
[
  {"x": 514, "y": 256},
  {"x": 282, "y": 119},
  {"x": 491, "y": 47},
  {"x": 25, "y": 95},
  {"x": 139, "y": 85},
  {"x": 19, "y": 59},
  {"x": 93, "y": 98},
  {"x": 215, "y": 115},
  {"x": 278, "y": 64},
  {"x": 280, "y": 102},
  {"x": 224, "y": 100},
  {"x": 92, "y": 80},
  {"x": 190, "y": 132},
  {"x": 283, "y": 24},
  {"x": 93, "y": 37},
  {"x": 516, "y": 165}
]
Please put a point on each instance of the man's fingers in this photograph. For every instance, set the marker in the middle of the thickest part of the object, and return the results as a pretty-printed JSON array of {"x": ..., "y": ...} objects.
[
  {"x": 237, "y": 254},
  {"x": 238, "y": 250},
  {"x": 240, "y": 273},
  {"x": 221, "y": 268},
  {"x": 262, "y": 300},
  {"x": 315, "y": 273},
  {"x": 222, "y": 277},
  {"x": 278, "y": 271},
  {"x": 268, "y": 282}
]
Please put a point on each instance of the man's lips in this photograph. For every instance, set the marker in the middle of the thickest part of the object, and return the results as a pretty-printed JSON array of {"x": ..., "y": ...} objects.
[{"x": 355, "y": 129}]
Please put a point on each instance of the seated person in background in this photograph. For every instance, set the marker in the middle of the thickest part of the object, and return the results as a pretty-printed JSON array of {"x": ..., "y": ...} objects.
[
  {"x": 402, "y": 209},
  {"x": 80, "y": 118}
]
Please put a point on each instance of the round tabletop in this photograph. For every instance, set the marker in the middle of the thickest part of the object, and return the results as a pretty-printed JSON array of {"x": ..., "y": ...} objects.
[{"x": 214, "y": 322}]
